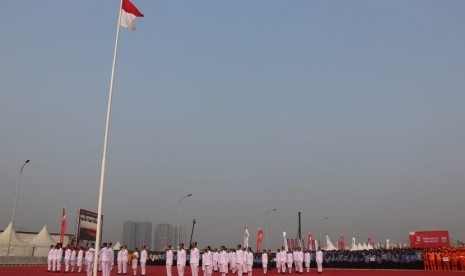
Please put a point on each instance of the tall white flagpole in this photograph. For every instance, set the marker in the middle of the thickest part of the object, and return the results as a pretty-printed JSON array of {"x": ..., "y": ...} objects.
[{"x": 105, "y": 143}]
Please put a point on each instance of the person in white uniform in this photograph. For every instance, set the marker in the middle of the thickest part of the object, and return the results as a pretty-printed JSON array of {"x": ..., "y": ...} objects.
[
  {"x": 307, "y": 258},
  {"x": 181, "y": 259},
  {"x": 79, "y": 259},
  {"x": 106, "y": 259},
  {"x": 223, "y": 261},
  {"x": 90, "y": 260},
  {"x": 58, "y": 257},
  {"x": 289, "y": 261},
  {"x": 169, "y": 260},
  {"x": 143, "y": 260},
  {"x": 194, "y": 259},
  {"x": 319, "y": 260},
  {"x": 67, "y": 258},
  {"x": 208, "y": 261},
  {"x": 239, "y": 260},
  {"x": 125, "y": 259},
  {"x": 50, "y": 258},
  {"x": 72, "y": 259},
  {"x": 264, "y": 261},
  {"x": 119, "y": 260},
  {"x": 135, "y": 259},
  {"x": 249, "y": 261}
]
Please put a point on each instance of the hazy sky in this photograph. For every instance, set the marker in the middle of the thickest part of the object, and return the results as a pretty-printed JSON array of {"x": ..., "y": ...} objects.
[{"x": 351, "y": 110}]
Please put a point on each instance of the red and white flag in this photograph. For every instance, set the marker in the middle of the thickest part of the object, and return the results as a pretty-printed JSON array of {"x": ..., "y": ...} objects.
[
  {"x": 369, "y": 242},
  {"x": 309, "y": 242},
  {"x": 341, "y": 243},
  {"x": 259, "y": 240},
  {"x": 129, "y": 12},
  {"x": 63, "y": 226}
]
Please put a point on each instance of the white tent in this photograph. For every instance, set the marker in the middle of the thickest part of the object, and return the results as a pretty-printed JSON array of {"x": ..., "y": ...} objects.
[
  {"x": 41, "y": 243},
  {"x": 329, "y": 244},
  {"x": 17, "y": 246},
  {"x": 117, "y": 246},
  {"x": 353, "y": 246}
]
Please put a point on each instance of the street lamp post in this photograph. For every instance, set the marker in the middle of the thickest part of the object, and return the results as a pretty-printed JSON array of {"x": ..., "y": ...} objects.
[
  {"x": 14, "y": 206},
  {"x": 179, "y": 215},
  {"x": 266, "y": 226}
]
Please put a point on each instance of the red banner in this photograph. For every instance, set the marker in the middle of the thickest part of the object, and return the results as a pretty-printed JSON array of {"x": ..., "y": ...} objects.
[
  {"x": 259, "y": 240},
  {"x": 63, "y": 226},
  {"x": 369, "y": 242},
  {"x": 429, "y": 239},
  {"x": 341, "y": 243},
  {"x": 309, "y": 242}
]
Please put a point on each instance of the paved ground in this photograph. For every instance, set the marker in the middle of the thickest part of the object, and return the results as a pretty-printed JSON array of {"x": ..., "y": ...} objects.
[{"x": 160, "y": 271}]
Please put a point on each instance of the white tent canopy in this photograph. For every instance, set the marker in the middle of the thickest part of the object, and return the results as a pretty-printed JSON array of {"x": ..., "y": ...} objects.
[
  {"x": 329, "y": 244},
  {"x": 17, "y": 246},
  {"x": 41, "y": 243},
  {"x": 117, "y": 246}
]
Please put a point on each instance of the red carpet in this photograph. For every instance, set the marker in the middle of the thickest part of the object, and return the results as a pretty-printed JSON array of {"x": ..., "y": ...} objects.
[{"x": 160, "y": 271}]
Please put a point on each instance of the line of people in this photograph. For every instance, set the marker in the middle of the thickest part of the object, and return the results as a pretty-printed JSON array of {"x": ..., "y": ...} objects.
[{"x": 238, "y": 261}]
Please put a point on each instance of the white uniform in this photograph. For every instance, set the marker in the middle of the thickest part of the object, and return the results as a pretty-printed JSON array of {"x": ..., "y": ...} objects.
[
  {"x": 67, "y": 258},
  {"x": 119, "y": 260},
  {"x": 283, "y": 261},
  {"x": 181, "y": 261},
  {"x": 319, "y": 260},
  {"x": 135, "y": 257},
  {"x": 233, "y": 261},
  {"x": 50, "y": 258},
  {"x": 223, "y": 262},
  {"x": 298, "y": 260},
  {"x": 143, "y": 261},
  {"x": 106, "y": 260},
  {"x": 72, "y": 260},
  {"x": 169, "y": 262},
  {"x": 289, "y": 261},
  {"x": 249, "y": 262},
  {"x": 90, "y": 261},
  {"x": 58, "y": 258},
  {"x": 264, "y": 262},
  {"x": 208, "y": 262},
  {"x": 80, "y": 255},
  {"x": 125, "y": 260},
  {"x": 215, "y": 260},
  {"x": 239, "y": 261},
  {"x": 307, "y": 258},
  {"x": 194, "y": 261}
]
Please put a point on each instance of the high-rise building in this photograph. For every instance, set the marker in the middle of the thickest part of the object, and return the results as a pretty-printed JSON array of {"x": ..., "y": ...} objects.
[
  {"x": 163, "y": 236},
  {"x": 137, "y": 234}
]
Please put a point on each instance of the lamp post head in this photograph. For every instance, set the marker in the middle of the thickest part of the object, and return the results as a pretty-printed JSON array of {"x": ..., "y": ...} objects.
[
  {"x": 189, "y": 195},
  {"x": 27, "y": 161}
]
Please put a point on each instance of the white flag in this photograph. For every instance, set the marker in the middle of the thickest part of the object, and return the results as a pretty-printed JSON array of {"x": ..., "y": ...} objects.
[
  {"x": 285, "y": 242},
  {"x": 246, "y": 238}
]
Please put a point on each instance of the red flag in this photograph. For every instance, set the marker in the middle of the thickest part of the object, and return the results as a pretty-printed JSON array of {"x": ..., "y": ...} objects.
[
  {"x": 129, "y": 12},
  {"x": 259, "y": 240},
  {"x": 341, "y": 243},
  {"x": 63, "y": 226},
  {"x": 310, "y": 239},
  {"x": 369, "y": 240}
]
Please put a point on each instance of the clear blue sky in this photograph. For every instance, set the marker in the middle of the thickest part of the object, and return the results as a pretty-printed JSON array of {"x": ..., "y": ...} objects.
[{"x": 351, "y": 110}]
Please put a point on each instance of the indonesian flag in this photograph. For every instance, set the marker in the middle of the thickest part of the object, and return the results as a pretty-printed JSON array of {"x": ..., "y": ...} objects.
[
  {"x": 341, "y": 243},
  {"x": 259, "y": 240},
  {"x": 129, "y": 12},
  {"x": 309, "y": 242},
  {"x": 246, "y": 238},
  {"x": 369, "y": 241},
  {"x": 63, "y": 226}
]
